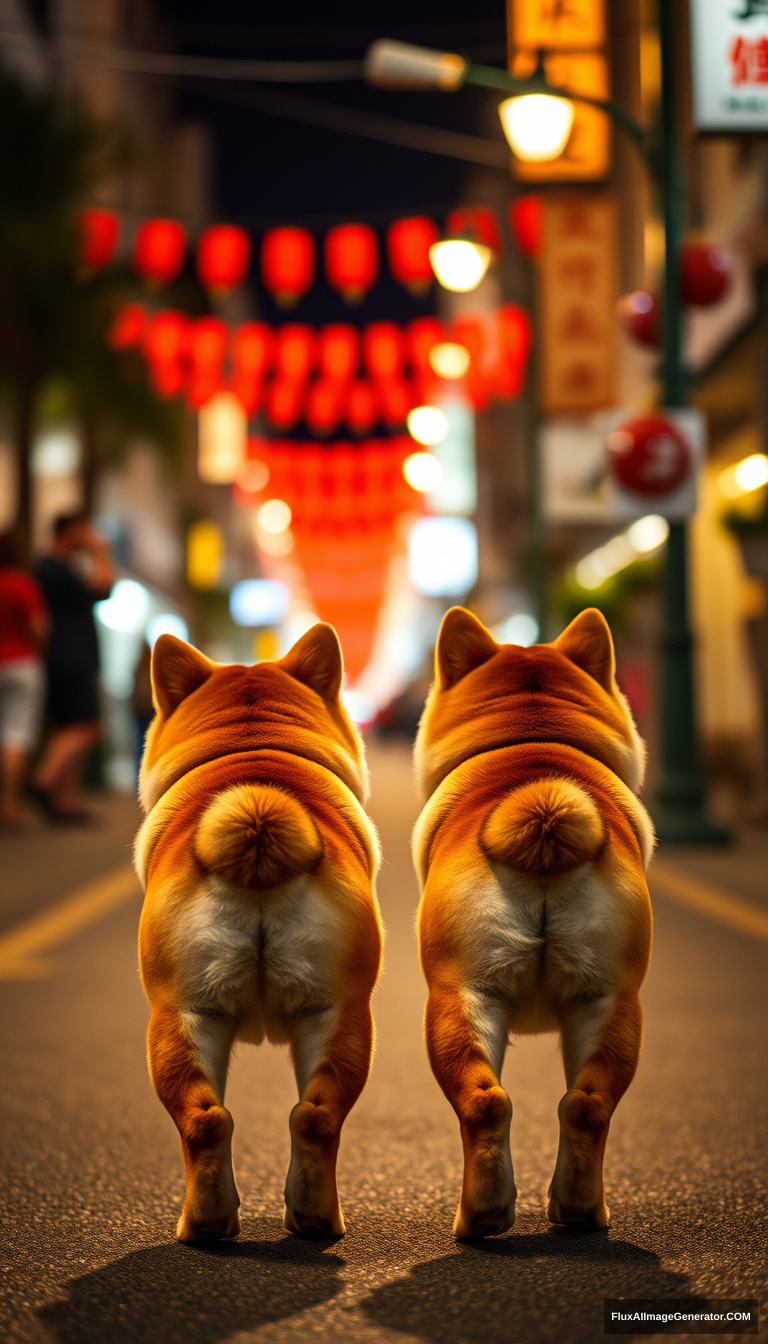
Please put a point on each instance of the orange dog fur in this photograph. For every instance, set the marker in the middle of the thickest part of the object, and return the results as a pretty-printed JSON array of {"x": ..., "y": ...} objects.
[
  {"x": 260, "y": 917},
  {"x": 535, "y": 915}
]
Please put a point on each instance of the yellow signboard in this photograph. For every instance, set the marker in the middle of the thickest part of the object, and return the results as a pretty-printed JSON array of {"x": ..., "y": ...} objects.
[
  {"x": 566, "y": 24},
  {"x": 577, "y": 303},
  {"x": 587, "y": 156}
]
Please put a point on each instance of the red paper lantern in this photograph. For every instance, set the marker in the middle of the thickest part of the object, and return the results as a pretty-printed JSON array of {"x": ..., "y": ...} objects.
[
  {"x": 513, "y": 330},
  {"x": 288, "y": 264},
  {"x": 408, "y": 244},
  {"x": 639, "y": 314},
  {"x": 223, "y": 257},
  {"x": 127, "y": 327},
  {"x": 477, "y": 222},
  {"x": 295, "y": 350},
  {"x": 165, "y": 346},
  {"x": 649, "y": 455},
  {"x": 421, "y": 334},
  {"x": 706, "y": 272},
  {"x": 99, "y": 231},
  {"x": 253, "y": 346},
  {"x": 285, "y": 401},
  {"x": 207, "y": 341},
  {"x": 159, "y": 249},
  {"x": 395, "y": 399},
  {"x": 362, "y": 410},
  {"x": 526, "y": 220},
  {"x": 352, "y": 260},
  {"x": 339, "y": 351},
  {"x": 469, "y": 331},
  {"x": 325, "y": 403},
  {"x": 383, "y": 349}
]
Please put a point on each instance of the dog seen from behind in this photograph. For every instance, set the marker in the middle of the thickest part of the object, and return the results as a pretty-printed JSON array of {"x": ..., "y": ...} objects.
[
  {"x": 260, "y": 917},
  {"x": 535, "y": 915}
]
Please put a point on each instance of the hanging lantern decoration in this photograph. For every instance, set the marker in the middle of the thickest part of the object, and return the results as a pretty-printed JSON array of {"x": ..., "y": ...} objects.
[
  {"x": 295, "y": 350},
  {"x": 526, "y": 219},
  {"x": 339, "y": 351},
  {"x": 383, "y": 350},
  {"x": 159, "y": 250},
  {"x": 478, "y": 223},
  {"x": 165, "y": 347},
  {"x": 127, "y": 327},
  {"x": 649, "y": 455},
  {"x": 325, "y": 403},
  {"x": 253, "y": 346},
  {"x": 207, "y": 341},
  {"x": 288, "y": 264},
  {"x": 421, "y": 336},
  {"x": 285, "y": 402},
  {"x": 362, "y": 410},
  {"x": 408, "y": 244},
  {"x": 513, "y": 333},
  {"x": 222, "y": 439},
  {"x": 99, "y": 231},
  {"x": 395, "y": 400},
  {"x": 469, "y": 331},
  {"x": 352, "y": 260},
  {"x": 223, "y": 258},
  {"x": 706, "y": 272},
  {"x": 640, "y": 317}
]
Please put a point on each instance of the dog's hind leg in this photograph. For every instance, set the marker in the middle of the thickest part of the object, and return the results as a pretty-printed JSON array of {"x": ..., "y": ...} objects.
[
  {"x": 332, "y": 1056},
  {"x": 466, "y": 1040},
  {"x": 601, "y": 1046},
  {"x": 188, "y": 1060}
]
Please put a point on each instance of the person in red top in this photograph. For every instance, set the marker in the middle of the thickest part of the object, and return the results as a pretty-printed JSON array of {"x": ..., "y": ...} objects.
[{"x": 24, "y": 628}]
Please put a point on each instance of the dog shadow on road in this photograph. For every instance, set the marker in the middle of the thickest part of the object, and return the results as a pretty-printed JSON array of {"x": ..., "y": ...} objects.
[
  {"x": 546, "y": 1286},
  {"x": 195, "y": 1294}
]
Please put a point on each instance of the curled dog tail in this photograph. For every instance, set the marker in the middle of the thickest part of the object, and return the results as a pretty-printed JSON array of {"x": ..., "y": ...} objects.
[
  {"x": 257, "y": 836},
  {"x": 547, "y": 827}
]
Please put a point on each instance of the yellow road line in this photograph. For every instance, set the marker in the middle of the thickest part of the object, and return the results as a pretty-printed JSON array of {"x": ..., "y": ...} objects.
[
  {"x": 20, "y": 947},
  {"x": 708, "y": 900}
]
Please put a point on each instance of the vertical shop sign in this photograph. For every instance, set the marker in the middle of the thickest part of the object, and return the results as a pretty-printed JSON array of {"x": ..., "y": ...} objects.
[
  {"x": 568, "y": 24},
  {"x": 729, "y": 56},
  {"x": 577, "y": 303}
]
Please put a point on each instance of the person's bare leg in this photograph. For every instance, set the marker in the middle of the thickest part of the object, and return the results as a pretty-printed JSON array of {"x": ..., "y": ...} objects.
[
  {"x": 13, "y": 764},
  {"x": 60, "y": 771}
]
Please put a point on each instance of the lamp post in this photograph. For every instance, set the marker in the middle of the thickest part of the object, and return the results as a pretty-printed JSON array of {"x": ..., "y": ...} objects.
[{"x": 679, "y": 812}]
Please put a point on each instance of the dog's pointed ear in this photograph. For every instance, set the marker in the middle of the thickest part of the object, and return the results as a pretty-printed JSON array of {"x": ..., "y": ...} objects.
[
  {"x": 316, "y": 660},
  {"x": 462, "y": 645},
  {"x": 588, "y": 643},
  {"x": 177, "y": 671}
]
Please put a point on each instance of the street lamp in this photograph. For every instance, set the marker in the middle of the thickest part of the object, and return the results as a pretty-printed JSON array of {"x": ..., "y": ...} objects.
[
  {"x": 537, "y": 126},
  {"x": 679, "y": 811}
]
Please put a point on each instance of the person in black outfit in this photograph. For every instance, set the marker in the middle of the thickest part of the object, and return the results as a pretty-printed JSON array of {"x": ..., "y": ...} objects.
[{"x": 73, "y": 661}]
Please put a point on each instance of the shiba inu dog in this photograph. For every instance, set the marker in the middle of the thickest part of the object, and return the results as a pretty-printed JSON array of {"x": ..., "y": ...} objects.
[
  {"x": 535, "y": 915},
  {"x": 260, "y": 917}
]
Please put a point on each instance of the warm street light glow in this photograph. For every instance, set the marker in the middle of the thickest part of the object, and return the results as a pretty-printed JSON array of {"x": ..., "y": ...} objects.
[
  {"x": 458, "y": 264},
  {"x": 222, "y": 437},
  {"x": 427, "y": 425},
  {"x": 641, "y": 538},
  {"x": 448, "y": 359},
  {"x": 537, "y": 126},
  {"x": 423, "y": 472},
  {"x": 745, "y": 476},
  {"x": 274, "y": 516}
]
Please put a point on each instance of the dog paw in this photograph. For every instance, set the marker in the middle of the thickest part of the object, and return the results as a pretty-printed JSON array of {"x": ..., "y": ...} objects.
[
  {"x": 565, "y": 1215},
  {"x": 471, "y": 1224},
  {"x": 313, "y": 1226},
  {"x": 191, "y": 1229}
]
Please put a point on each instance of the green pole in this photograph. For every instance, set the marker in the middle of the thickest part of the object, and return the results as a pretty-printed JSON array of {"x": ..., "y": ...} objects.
[{"x": 679, "y": 814}]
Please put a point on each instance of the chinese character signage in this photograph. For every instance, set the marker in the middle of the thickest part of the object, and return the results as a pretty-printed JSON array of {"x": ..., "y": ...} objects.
[
  {"x": 567, "y": 24},
  {"x": 577, "y": 303},
  {"x": 729, "y": 51}
]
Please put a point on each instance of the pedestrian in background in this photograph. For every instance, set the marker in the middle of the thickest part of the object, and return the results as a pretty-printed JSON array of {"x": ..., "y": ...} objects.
[
  {"x": 76, "y": 574},
  {"x": 24, "y": 628}
]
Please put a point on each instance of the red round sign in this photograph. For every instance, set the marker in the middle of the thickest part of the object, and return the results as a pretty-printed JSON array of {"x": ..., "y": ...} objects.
[{"x": 649, "y": 456}]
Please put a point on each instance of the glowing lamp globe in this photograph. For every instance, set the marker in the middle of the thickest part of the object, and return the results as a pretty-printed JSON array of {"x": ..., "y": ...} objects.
[
  {"x": 449, "y": 360},
  {"x": 423, "y": 472},
  {"x": 427, "y": 425},
  {"x": 649, "y": 456},
  {"x": 223, "y": 258},
  {"x": 478, "y": 223},
  {"x": 98, "y": 231},
  {"x": 288, "y": 264},
  {"x": 222, "y": 439},
  {"x": 408, "y": 244},
  {"x": 422, "y": 334},
  {"x": 537, "y": 126},
  {"x": 459, "y": 264},
  {"x": 352, "y": 261},
  {"x": 706, "y": 273},
  {"x": 526, "y": 218},
  {"x": 159, "y": 249}
]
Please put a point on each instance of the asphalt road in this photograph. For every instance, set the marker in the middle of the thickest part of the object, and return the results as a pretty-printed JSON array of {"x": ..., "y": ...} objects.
[{"x": 93, "y": 1179}]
